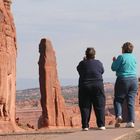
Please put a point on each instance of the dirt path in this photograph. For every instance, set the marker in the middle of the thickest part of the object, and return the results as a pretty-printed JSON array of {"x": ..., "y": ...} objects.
[{"x": 110, "y": 133}]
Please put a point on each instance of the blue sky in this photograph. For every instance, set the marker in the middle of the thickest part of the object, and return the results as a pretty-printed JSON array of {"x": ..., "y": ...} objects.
[{"x": 72, "y": 26}]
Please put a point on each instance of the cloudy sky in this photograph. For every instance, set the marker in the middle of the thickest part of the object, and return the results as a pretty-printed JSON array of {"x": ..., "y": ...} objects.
[{"x": 72, "y": 26}]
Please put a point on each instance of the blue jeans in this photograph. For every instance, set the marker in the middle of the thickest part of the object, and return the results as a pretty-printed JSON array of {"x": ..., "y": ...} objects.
[{"x": 125, "y": 89}]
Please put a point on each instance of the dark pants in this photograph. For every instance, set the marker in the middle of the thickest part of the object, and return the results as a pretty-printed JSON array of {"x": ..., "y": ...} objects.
[
  {"x": 92, "y": 95},
  {"x": 125, "y": 89}
]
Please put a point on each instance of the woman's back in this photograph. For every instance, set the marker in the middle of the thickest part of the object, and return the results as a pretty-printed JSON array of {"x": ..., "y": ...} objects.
[{"x": 90, "y": 71}]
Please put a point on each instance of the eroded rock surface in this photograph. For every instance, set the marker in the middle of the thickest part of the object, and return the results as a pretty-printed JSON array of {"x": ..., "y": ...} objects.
[
  {"x": 8, "y": 52},
  {"x": 52, "y": 102}
]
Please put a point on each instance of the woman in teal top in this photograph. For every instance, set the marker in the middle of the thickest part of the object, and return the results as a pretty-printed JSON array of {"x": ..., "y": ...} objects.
[
  {"x": 125, "y": 65},
  {"x": 126, "y": 84}
]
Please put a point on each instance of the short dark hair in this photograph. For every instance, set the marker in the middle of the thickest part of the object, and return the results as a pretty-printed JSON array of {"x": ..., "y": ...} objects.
[
  {"x": 90, "y": 53},
  {"x": 127, "y": 47}
]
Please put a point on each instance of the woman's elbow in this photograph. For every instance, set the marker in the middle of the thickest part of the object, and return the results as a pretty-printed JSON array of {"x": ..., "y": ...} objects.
[{"x": 113, "y": 69}]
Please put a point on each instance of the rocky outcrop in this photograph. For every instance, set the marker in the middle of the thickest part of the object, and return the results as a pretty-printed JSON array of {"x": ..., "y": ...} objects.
[
  {"x": 52, "y": 102},
  {"x": 8, "y": 52}
]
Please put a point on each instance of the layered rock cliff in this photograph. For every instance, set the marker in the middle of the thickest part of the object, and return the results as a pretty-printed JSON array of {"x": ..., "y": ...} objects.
[{"x": 8, "y": 51}]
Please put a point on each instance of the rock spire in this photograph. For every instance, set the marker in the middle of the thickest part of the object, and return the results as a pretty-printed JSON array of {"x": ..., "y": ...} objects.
[{"x": 52, "y": 102}]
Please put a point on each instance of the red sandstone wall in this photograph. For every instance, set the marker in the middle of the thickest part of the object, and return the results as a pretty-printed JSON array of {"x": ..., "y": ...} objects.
[{"x": 8, "y": 50}]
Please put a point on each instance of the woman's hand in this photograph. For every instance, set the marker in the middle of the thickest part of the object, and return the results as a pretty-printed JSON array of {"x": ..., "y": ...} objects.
[{"x": 114, "y": 58}]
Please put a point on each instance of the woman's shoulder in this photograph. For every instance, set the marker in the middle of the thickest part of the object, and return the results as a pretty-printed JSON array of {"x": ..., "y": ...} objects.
[
  {"x": 128, "y": 55},
  {"x": 98, "y": 61}
]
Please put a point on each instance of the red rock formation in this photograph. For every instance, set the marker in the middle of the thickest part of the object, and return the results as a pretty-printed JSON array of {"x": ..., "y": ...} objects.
[
  {"x": 7, "y": 66},
  {"x": 52, "y": 102}
]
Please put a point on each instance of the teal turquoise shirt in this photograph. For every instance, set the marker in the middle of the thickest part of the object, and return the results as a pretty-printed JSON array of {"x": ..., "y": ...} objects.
[{"x": 125, "y": 65}]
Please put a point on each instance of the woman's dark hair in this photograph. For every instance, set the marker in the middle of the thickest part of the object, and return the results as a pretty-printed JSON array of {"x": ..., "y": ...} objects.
[
  {"x": 90, "y": 53},
  {"x": 127, "y": 47}
]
